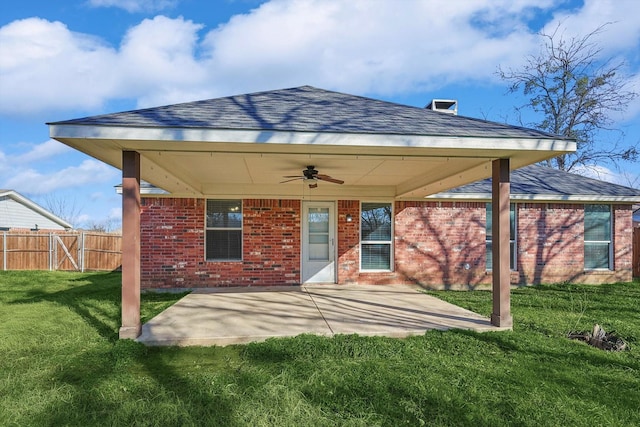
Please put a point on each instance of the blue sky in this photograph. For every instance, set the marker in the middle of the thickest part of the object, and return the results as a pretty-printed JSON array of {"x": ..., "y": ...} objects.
[{"x": 65, "y": 59}]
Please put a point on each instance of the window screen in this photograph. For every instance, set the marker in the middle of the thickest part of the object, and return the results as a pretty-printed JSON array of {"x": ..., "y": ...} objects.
[
  {"x": 597, "y": 237},
  {"x": 224, "y": 230},
  {"x": 375, "y": 236}
]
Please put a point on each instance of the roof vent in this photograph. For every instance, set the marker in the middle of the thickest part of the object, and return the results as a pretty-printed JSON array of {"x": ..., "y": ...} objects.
[{"x": 449, "y": 106}]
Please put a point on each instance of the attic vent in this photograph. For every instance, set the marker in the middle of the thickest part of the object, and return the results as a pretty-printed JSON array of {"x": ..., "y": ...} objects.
[{"x": 448, "y": 106}]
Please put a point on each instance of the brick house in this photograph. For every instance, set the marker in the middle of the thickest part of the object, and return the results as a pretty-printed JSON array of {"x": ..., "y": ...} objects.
[
  {"x": 442, "y": 242},
  {"x": 307, "y": 185}
]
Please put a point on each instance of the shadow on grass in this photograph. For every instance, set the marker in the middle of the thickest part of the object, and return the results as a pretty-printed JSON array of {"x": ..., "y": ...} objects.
[
  {"x": 107, "y": 381},
  {"x": 130, "y": 384},
  {"x": 93, "y": 297},
  {"x": 96, "y": 298},
  {"x": 445, "y": 378}
]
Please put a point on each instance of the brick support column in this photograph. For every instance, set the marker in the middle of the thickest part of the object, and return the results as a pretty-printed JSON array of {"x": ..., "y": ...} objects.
[
  {"x": 131, "y": 326},
  {"x": 500, "y": 190}
]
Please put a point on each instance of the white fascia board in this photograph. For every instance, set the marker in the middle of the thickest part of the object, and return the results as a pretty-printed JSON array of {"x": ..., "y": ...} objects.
[
  {"x": 147, "y": 191},
  {"x": 122, "y": 134},
  {"x": 536, "y": 198}
]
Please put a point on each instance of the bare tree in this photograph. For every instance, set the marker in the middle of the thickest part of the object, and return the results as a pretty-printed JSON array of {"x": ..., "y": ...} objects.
[
  {"x": 103, "y": 226},
  {"x": 62, "y": 207},
  {"x": 574, "y": 93}
]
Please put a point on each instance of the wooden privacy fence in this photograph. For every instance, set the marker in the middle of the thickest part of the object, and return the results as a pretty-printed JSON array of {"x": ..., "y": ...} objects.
[
  {"x": 69, "y": 251},
  {"x": 636, "y": 252}
]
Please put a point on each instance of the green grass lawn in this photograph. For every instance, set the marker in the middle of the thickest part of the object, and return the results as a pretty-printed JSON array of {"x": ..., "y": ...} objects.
[{"x": 62, "y": 364}]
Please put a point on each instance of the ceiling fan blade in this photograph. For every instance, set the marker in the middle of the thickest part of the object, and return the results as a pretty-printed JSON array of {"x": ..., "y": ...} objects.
[
  {"x": 313, "y": 185},
  {"x": 289, "y": 180},
  {"x": 292, "y": 176},
  {"x": 329, "y": 179}
]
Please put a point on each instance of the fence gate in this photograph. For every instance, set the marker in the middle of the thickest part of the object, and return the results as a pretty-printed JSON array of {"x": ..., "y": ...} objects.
[
  {"x": 63, "y": 247},
  {"x": 70, "y": 251}
]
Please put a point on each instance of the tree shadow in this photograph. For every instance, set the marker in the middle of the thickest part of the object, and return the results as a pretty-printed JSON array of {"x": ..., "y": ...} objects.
[
  {"x": 443, "y": 244},
  {"x": 104, "y": 380},
  {"x": 553, "y": 240},
  {"x": 96, "y": 299}
]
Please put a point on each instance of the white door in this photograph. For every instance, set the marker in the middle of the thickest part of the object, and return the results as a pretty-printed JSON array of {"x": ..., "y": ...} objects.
[{"x": 318, "y": 242}]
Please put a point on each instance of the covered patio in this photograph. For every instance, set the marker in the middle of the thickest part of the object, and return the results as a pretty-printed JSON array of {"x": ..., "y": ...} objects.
[
  {"x": 225, "y": 316},
  {"x": 242, "y": 146}
]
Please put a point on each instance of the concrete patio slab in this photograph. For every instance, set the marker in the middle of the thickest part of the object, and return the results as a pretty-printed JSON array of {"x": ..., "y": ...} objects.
[{"x": 241, "y": 315}]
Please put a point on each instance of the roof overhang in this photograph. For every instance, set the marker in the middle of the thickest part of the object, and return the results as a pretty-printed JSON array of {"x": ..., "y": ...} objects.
[
  {"x": 538, "y": 198},
  {"x": 195, "y": 162}
]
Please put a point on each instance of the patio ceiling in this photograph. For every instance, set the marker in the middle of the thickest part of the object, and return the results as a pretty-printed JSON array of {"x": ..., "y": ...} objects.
[
  {"x": 370, "y": 165},
  {"x": 242, "y": 146}
]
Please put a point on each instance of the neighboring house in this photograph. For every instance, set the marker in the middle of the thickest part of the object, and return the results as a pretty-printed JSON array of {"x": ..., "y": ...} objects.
[
  {"x": 19, "y": 213},
  {"x": 236, "y": 214}
]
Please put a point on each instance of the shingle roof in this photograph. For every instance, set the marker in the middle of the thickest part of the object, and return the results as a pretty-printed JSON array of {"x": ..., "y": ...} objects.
[
  {"x": 545, "y": 181},
  {"x": 309, "y": 109}
]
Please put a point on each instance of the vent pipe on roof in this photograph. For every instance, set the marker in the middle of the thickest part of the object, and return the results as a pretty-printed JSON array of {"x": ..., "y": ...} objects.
[{"x": 449, "y": 106}]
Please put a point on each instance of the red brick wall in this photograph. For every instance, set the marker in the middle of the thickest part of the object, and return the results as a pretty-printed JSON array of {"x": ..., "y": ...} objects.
[
  {"x": 622, "y": 245},
  {"x": 437, "y": 244},
  {"x": 440, "y": 243},
  {"x": 172, "y": 233},
  {"x": 550, "y": 244},
  {"x": 348, "y": 241}
]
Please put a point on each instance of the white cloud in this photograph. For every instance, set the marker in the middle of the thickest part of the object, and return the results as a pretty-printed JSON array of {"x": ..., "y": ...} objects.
[
  {"x": 46, "y": 150},
  {"x": 335, "y": 44},
  {"x": 133, "y": 6},
  {"x": 157, "y": 60},
  {"x": 355, "y": 47},
  {"x": 88, "y": 172},
  {"x": 622, "y": 34},
  {"x": 626, "y": 178},
  {"x": 81, "y": 219},
  {"x": 115, "y": 213},
  {"x": 4, "y": 163},
  {"x": 17, "y": 168},
  {"x": 44, "y": 66},
  {"x": 633, "y": 109}
]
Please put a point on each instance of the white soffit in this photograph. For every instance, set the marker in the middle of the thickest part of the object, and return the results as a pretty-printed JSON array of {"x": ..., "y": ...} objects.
[{"x": 197, "y": 162}]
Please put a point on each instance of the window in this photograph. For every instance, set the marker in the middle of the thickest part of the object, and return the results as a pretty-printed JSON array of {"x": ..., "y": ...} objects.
[
  {"x": 512, "y": 237},
  {"x": 375, "y": 236},
  {"x": 597, "y": 237},
  {"x": 224, "y": 230}
]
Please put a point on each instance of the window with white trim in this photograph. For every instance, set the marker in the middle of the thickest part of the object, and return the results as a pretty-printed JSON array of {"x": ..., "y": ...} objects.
[
  {"x": 375, "y": 236},
  {"x": 597, "y": 237},
  {"x": 223, "y": 234},
  {"x": 512, "y": 236}
]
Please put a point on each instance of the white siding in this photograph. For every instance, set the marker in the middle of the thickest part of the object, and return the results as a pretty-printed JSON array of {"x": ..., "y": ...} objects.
[{"x": 16, "y": 215}]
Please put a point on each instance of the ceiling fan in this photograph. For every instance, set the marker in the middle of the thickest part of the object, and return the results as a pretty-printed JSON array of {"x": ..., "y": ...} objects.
[{"x": 311, "y": 175}]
